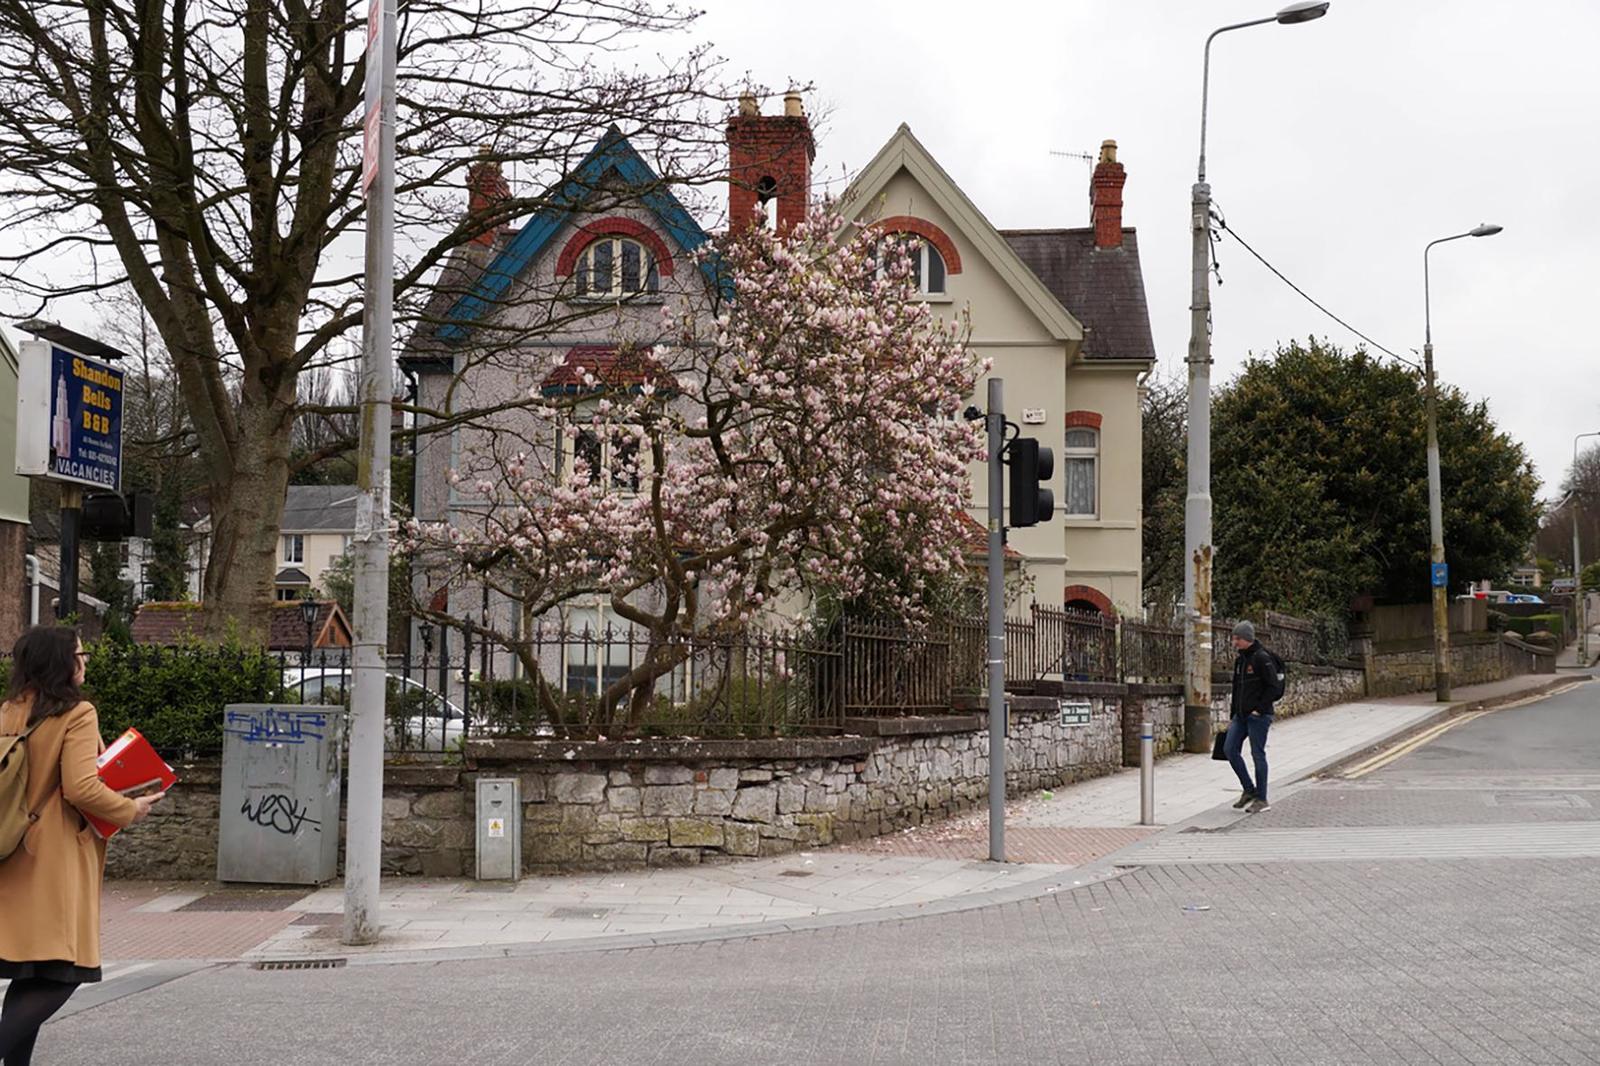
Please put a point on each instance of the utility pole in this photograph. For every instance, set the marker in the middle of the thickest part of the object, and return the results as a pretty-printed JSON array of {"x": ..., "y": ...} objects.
[
  {"x": 370, "y": 621},
  {"x": 1581, "y": 614},
  {"x": 995, "y": 420},
  {"x": 1439, "y": 577},
  {"x": 1197, "y": 506}
]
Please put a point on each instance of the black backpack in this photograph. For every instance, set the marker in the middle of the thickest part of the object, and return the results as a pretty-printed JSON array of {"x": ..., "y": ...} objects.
[{"x": 1278, "y": 679}]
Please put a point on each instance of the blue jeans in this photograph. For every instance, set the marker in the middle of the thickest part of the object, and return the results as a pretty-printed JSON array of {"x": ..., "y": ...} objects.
[{"x": 1255, "y": 726}]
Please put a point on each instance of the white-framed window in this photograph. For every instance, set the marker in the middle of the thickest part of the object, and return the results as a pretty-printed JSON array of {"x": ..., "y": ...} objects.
[
  {"x": 1082, "y": 467},
  {"x": 927, "y": 265},
  {"x": 294, "y": 548},
  {"x": 615, "y": 267},
  {"x": 598, "y": 649},
  {"x": 614, "y": 458}
]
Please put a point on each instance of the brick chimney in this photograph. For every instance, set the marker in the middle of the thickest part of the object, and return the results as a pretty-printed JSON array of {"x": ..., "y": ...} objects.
[
  {"x": 769, "y": 162},
  {"x": 1105, "y": 194},
  {"x": 486, "y": 186}
]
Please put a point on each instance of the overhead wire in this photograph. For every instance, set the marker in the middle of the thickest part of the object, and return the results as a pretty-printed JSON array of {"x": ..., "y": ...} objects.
[{"x": 1222, "y": 225}]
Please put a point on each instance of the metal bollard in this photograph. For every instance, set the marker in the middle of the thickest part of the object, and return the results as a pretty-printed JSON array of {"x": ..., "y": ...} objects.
[{"x": 1147, "y": 774}]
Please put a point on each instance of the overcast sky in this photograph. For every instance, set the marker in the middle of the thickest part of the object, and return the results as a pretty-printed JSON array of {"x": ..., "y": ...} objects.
[{"x": 1338, "y": 149}]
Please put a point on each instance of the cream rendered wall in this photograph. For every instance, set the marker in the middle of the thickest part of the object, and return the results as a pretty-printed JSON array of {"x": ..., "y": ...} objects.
[
  {"x": 1105, "y": 552},
  {"x": 1029, "y": 360}
]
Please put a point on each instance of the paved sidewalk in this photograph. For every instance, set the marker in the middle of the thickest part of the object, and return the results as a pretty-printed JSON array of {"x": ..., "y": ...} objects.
[{"x": 924, "y": 871}]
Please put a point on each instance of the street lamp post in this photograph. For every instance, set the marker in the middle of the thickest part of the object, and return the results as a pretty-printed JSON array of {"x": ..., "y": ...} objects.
[
  {"x": 1439, "y": 578},
  {"x": 1197, "y": 507},
  {"x": 309, "y": 609},
  {"x": 1580, "y": 615}
]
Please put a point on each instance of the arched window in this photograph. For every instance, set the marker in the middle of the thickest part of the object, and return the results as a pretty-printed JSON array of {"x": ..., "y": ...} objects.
[
  {"x": 1083, "y": 471},
  {"x": 767, "y": 202},
  {"x": 927, "y": 265},
  {"x": 616, "y": 267}
]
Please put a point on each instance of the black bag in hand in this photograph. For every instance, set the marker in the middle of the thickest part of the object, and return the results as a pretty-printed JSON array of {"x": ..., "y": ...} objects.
[{"x": 1219, "y": 747}]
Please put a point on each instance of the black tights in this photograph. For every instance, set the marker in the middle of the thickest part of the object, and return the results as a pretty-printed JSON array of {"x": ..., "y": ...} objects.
[{"x": 29, "y": 1004}]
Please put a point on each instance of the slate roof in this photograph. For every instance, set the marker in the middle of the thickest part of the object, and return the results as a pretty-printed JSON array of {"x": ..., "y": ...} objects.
[
  {"x": 1102, "y": 287},
  {"x": 170, "y": 624},
  {"x": 624, "y": 368},
  {"x": 291, "y": 575},
  {"x": 320, "y": 509}
]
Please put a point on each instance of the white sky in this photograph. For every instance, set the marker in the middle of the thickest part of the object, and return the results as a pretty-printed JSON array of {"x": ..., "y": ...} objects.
[{"x": 1338, "y": 148}]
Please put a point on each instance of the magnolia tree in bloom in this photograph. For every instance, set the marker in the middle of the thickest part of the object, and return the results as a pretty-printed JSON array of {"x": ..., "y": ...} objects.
[{"x": 801, "y": 439}]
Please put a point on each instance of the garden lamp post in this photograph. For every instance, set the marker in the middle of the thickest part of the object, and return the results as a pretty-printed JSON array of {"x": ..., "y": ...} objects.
[
  {"x": 1439, "y": 576},
  {"x": 1197, "y": 507},
  {"x": 309, "y": 609}
]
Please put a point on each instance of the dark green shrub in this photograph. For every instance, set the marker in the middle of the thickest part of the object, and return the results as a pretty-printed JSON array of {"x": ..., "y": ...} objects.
[
  {"x": 175, "y": 696},
  {"x": 1526, "y": 627}
]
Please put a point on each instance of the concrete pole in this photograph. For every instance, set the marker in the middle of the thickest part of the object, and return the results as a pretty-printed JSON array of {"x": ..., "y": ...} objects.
[
  {"x": 370, "y": 621},
  {"x": 1197, "y": 506},
  {"x": 1441, "y": 591},
  {"x": 996, "y": 422}
]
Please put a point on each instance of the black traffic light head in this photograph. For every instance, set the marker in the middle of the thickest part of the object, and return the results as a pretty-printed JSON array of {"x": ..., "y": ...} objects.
[
  {"x": 108, "y": 516},
  {"x": 1031, "y": 465}
]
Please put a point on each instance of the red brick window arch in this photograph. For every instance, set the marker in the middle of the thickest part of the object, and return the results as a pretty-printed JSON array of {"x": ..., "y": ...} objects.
[
  {"x": 1087, "y": 597},
  {"x": 933, "y": 254},
  {"x": 615, "y": 257}
]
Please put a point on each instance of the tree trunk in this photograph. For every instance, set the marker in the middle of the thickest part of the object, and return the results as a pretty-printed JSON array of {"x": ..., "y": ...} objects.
[{"x": 246, "y": 516}]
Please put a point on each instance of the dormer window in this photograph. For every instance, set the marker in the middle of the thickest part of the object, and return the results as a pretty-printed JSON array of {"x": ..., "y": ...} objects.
[
  {"x": 927, "y": 265},
  {"x": 614, "y": 268}
]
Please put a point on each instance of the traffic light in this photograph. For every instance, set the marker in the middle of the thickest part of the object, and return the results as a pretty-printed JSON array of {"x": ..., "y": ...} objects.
[{"x": 1031, "y": 466}]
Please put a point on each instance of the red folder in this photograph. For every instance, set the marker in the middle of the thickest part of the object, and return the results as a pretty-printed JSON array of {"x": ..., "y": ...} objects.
[{"x": 132, "y": 767}]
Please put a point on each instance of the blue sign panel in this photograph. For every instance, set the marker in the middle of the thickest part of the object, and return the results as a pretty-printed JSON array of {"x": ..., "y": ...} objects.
[
  {"x": 85, "y": 420},
  {"x": 1441, "y": 575}
]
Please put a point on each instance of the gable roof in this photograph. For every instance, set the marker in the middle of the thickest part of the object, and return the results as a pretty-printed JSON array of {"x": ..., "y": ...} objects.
[
  {"x": 611, "y": 155},
  {"x": 1102, "y": 287},
  {"x": 904, "y": 151},
  {"x": 320, "y": 509}
]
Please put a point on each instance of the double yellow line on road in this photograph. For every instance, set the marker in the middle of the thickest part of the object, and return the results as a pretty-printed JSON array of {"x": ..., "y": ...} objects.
[{"x": 1384, "y": 758}]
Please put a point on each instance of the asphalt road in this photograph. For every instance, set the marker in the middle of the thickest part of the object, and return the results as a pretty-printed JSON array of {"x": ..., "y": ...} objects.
[{"x": 1294, "y": 957}]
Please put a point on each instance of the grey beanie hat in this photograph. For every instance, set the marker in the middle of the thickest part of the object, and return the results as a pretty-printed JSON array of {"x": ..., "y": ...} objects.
[{"x": 1246, "y": 630}]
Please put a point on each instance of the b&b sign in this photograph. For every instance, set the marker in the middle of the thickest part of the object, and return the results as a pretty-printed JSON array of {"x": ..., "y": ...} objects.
[{"x": 69, "y": 417}]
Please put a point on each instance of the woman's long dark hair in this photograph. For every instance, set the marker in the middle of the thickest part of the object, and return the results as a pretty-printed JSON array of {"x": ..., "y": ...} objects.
[{"x": 44, "y": 662}]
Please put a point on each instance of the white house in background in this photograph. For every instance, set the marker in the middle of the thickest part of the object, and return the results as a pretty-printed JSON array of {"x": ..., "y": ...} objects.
[{"x": 319, "y": 522}]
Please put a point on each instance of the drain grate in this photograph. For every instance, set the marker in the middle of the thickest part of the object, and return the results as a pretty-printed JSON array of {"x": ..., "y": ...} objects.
[
  {"x": 299, "y": 964},
  {"x": 580, "y": 913},
  {"x": 1549, "y": 800}
]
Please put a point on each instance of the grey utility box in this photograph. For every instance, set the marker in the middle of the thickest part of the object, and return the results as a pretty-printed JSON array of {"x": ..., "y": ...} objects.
[
  {"x": 280, "y": 794},
  {"x": 499, "y": 820}
]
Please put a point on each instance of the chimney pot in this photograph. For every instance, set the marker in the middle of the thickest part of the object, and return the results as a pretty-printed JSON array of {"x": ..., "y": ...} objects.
[
  {"x": 748, "y": 105},
  {"x": 793, "y": 105},
  {"x": 1108, "y": 151}
]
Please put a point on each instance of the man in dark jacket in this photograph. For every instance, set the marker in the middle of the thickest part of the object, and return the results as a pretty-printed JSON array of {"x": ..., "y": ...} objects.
[{"x": 1251, "y": 716}]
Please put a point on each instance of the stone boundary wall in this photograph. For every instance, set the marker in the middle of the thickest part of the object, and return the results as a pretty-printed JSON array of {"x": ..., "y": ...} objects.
[
  {"x": 605, "y": 805},
  {"x": 1407, "y": 666}
]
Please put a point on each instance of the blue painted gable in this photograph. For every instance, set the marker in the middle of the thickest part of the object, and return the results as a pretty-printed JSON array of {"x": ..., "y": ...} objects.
[{"x": 613, "y": 153}]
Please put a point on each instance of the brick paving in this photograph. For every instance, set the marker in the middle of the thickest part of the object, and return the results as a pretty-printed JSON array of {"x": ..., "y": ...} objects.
[{"x": 968, "y": 838}]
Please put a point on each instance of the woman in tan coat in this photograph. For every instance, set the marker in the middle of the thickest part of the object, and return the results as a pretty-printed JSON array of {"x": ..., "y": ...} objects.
[{"x": 50, "y": 886}]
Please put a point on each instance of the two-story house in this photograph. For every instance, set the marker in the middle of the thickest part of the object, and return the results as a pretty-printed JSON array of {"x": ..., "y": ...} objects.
[
  {"x": 1061, "y": 313},
  {"x": 552, "y": 306}
]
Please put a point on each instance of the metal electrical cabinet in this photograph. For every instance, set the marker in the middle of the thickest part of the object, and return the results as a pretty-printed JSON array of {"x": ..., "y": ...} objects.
[
  {"x": 499, "y": 818},
  {"x": 280, "y": 794}
]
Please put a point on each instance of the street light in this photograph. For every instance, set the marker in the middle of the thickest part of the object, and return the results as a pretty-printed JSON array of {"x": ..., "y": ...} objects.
[
  {"x": 1581, "y": 615},
  {"x": 1440, "y": 575},
  {"x": 309, "y": 609},
  {"x": 1197, "y": 507}
]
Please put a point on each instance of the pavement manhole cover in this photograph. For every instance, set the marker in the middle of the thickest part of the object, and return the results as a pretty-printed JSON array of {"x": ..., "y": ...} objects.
[
  {"x": 580, "y": 913},
  {"x": 318, "y": 918},
  {"x": 795, "y": 873},
  {"x": 245, "y": 900},
  {"x": 1556, "y": 800}
]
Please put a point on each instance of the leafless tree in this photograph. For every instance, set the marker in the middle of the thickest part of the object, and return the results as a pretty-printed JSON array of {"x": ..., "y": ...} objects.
[{"x": 207, "y": 154}]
